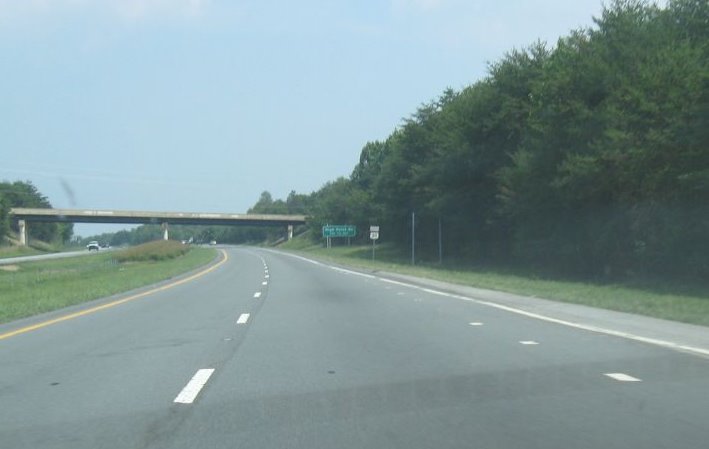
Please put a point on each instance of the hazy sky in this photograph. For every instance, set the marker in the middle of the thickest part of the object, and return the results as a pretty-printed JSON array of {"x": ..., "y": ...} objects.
[{"x": 199, "y": 105}]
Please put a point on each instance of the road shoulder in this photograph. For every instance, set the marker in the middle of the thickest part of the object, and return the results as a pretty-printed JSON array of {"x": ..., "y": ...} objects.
[{"x": 671, "y": 334}]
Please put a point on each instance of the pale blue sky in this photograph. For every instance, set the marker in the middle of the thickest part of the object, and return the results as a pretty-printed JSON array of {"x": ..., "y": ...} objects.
[{"x": 199, "y": 105}]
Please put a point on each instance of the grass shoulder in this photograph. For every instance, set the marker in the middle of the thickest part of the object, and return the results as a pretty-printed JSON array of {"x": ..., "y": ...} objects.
[
  {"x": 18, "y": 251},
  {"x": 32, "y": 288},
  {"x": 689, "y": 304},
  {"x": 12, "y": 248}
]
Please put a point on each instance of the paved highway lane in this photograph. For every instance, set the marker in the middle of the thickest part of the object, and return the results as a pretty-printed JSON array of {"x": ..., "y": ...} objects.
[{"x": 304, "y": 355}]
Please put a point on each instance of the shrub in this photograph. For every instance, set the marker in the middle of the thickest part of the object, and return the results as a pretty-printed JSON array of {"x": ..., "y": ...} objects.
[{"x": 152, "y": 251}]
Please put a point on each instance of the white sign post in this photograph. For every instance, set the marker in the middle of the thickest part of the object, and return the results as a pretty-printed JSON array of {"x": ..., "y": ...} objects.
[{"x": 374, "y": 236}]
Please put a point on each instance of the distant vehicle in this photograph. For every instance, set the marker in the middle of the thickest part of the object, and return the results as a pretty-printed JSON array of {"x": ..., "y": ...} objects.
[
  {"x": 105, "y": 245},
  {"x": 93, "y": 246},
  {"x": 213, "y": 242}
]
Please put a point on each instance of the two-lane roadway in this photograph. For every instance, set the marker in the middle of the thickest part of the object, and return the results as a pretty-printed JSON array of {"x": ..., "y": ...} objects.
[{"x": 270, "y": 350}]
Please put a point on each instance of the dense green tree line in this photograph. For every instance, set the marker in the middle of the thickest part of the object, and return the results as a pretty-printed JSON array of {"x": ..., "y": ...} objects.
[
  {"x": 588, "y": 158},
  {"x": 25, "y": 194}
]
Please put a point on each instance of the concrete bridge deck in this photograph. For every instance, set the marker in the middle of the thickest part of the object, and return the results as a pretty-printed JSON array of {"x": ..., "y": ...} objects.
[{"x": 24, "y": 215}]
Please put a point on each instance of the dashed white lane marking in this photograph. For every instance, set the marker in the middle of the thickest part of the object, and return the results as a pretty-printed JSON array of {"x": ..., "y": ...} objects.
[
  {"x": 257, "y": 295},
  {"x": 476, "y": 323},
  {"x": 267, "y": 276},
  {"x": 577, "y": 325},
  {"x": 400, "y": 293},
  {"x": 622, "y": 377},
  {"x": 243, "y": 318},
  {"x": 264, "y": 283},
  {"x": 528, "y": 342},
  {"x": 194, "y": 386}
]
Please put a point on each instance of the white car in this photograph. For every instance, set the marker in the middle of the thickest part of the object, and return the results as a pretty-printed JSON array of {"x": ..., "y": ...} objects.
[{"x": 93, "y": 246}]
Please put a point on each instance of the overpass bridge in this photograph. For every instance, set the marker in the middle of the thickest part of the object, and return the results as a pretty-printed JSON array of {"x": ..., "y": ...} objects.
[{"x": 27, "y": 215}]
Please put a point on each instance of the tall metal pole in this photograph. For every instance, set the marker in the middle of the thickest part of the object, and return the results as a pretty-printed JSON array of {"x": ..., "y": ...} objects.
[
  {"x": 413, "y": 238},
  {"x": 440, "y": 242}
]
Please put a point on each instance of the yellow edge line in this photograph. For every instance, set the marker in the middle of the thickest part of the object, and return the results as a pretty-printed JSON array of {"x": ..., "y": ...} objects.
[{"x": 71, "y": 316}]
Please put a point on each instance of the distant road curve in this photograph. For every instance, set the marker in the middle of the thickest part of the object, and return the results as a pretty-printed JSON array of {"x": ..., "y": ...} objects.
[{"x": 14, "y": 260}]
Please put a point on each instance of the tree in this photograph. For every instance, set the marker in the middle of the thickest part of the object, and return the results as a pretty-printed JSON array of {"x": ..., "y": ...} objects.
[
  {"x": 588, "y": 158},
  {"x": 25, "y": 194}
]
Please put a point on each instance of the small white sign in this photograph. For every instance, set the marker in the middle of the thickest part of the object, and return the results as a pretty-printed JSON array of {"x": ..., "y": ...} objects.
[
  {"x": 374, "y": 235},
  {"x": 374, "y": 229}
]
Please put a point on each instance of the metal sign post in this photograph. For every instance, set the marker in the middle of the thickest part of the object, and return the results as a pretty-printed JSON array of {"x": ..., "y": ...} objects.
[
  {"x": 374, "y": 236},
  {"x": 440, "y": 243},
  {"x": 413, "y": 238}
]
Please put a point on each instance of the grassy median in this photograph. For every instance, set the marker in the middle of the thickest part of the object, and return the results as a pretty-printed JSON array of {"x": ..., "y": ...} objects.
[
  {"x": 684, "y": 302},
  {"x": 31, "y": 288}
]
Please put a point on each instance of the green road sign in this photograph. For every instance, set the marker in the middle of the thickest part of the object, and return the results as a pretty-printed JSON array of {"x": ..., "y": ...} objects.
[{"x": 339, "y": 231}]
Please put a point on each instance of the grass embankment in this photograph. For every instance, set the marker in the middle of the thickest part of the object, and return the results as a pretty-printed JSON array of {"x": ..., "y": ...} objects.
[
  {"x": 36, "y": 247},
  {"x": 35, "y": 287},
  {"x": 678, "y": 302},
  {"x": 153, "y": 251},
  {"x": 18, "y": 251}
]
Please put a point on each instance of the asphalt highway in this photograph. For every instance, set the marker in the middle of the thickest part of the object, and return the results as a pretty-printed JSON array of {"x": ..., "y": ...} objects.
[{"x": 270, "y": 350}]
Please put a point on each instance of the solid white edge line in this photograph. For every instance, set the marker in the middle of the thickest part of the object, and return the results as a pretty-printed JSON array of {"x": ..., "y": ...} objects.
[
  {"x": 243, "y": 318},
  {"x": 587, "y": 327},
  {"x": 389, "y": 281},
  {"x": 305, "y": 259},
  {"x": 622, "y": 377},
  {"x": 257, "y": 295},
  {"x": 343, "y": 270},
  {"x": 194, "y": 386}
]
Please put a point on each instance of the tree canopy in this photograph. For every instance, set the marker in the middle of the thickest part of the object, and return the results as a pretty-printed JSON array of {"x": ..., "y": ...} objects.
[
  {"x": 25, "y": 194},
  {"x": 589, "y": 157}
]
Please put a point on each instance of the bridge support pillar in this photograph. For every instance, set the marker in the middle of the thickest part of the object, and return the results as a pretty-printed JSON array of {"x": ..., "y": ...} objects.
[
  {"x": 290, "y": 232},
  {"x": 23, "y": 232},
  {"x": 164, "y": 231}
]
